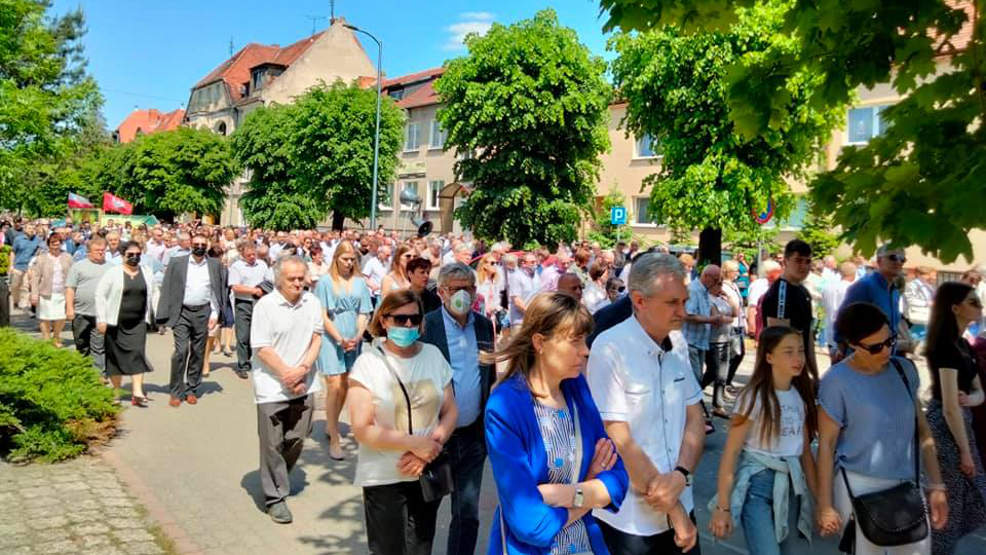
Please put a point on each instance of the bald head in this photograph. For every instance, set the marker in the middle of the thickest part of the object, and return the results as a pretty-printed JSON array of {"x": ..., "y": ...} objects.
[
  {"x": 711, "y": 276},
  {"x": 571, "y": 284}
]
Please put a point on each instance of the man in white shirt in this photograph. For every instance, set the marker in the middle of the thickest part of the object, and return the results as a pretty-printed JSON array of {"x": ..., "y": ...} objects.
[
  {"x": 521, "y": 286},
  {"x": 648, "y": 397},
  {"x": 245, "y": 276},
  {"x": 833, "y": 294},
  {"x": 376, "y": 268},
  {"x": 155, "y": 245},
  {"x": 285, "y": 337}
]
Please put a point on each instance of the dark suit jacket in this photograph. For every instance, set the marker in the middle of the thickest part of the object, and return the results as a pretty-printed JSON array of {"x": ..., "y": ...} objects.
[
  {"x": 610, "y": 315},
  {"x": 173, "y": 289},
  {"x": 435, "y": 334}
]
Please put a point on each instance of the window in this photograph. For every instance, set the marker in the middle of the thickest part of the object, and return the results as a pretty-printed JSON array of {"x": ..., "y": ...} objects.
[
  {"x": 411, "y": 137},
  {"x": 221, "y": 128},
  {"x": 642, "y": 211},
  {"x": 434, "y": 190},
  {"x": 646, "y": 147},
  {"x": 796, "y": 219},
  {"x": 437, "y": 135},
  {"x": 385, "y": 198},
  {"x": 411, "y": 186},
  {"x": 258, "y": 80},
  {"x": 396, "y": 94},
  {"x": 864, "y": 124}
]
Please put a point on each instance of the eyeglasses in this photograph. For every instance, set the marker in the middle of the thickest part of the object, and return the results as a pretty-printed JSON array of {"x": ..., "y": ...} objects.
[
  {"x": 618, "y": 289},
  {"x": 405, "y": 319},
  {"x": 877, "y": 348},
  {"x": 897, "y": 258}
]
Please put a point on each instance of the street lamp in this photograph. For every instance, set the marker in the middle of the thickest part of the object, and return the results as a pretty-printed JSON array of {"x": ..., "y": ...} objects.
[{"x": 376, "y": 136}]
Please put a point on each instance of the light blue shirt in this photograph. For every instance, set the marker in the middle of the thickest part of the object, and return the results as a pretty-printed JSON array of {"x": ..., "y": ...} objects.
[
  {"x": 698, "y": 304},
  {"x": 463, "y": 354},
  {"x": 874, "y": 288}
]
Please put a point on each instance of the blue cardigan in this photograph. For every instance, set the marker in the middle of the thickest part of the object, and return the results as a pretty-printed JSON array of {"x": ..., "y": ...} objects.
[{"x": 520, "y": 464}]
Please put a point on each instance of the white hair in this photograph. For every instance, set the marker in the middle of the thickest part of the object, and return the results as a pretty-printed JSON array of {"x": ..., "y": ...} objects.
[{"x": 650, "y": 266}]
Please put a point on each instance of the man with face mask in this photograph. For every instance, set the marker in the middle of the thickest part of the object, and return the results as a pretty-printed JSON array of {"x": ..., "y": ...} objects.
[
  {"x": 460, "y": 334},
  {"x": 80, "y": 301},
  {"x": 193, "y": 294}
]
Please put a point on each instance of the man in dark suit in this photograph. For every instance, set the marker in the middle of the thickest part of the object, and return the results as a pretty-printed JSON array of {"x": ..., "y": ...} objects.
[
  {"x": 193, "y": 294},
  {"x": 461, "y": 334}
]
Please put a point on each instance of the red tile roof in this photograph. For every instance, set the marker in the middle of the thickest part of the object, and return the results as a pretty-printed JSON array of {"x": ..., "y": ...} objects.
[
  {"x": 414, "y": 77},
  {"x": 424, "y": 95},
  {"x": 148, "y": 121}
]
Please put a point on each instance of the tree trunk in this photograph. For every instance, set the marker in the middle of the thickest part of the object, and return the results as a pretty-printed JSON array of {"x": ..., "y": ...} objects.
[
  {"x": 338, "y": 220},
  {"x": 710, "y": 247}
]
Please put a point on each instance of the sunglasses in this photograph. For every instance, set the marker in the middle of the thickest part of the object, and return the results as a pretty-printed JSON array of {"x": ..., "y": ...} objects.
[
  {"x": 897, "y": 258},
  {"x": 875, "y": 349},
  {"x": 405, "y": 319},
  {"x": 618, "y": 289}
]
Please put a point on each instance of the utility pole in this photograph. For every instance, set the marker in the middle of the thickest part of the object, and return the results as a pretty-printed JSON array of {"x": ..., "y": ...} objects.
[
  {"x": 332, "y": 11},
  {"x": 231, "y": 45},
  {"x": 314, "y": 18}
]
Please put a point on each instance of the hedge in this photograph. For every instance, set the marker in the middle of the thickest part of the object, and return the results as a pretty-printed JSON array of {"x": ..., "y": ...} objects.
[{"x": 52, "y": 402}]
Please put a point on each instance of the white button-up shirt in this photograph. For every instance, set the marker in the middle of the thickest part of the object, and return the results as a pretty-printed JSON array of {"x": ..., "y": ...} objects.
[
  {"x": 648, "y": 386},
  {"x": 198, "y": 286}
]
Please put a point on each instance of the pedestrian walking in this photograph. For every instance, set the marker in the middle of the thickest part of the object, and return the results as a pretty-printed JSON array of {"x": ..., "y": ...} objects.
[
  {"x": 522, "y": 284},
  {"x": 737, "y": 328},
  {"x": 717, "y": 358},
  {"x": 918, "y": 298},
  {"x": 642, "y": 381},
  {"x": 955, "y": 388},
  {"x": 397, "y": 278},
  {"x": 881, "y": 289},
  {"x": 285, "y": 336},
  {"x": 872, "y": 432},
  {"x": 80, "y": 301},
  {"x": 770, "y": 493},
  {"x": 788, "y": 302},
  {"x": 551, "y": 458},
  {"x": 462, "y": 335},
  {"x": 245, "y": 276},
  {"x": 346, "y": 310},
  {"x": 123, "y": 310},
  {"x": 402, "y": 411},
  {"x": 833, "y": 295},
  {"x": 192, "y": 295},
  {"x": 48, "y": 289}
]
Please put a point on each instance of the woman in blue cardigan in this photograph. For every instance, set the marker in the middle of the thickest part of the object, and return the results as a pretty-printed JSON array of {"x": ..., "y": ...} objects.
[{"x": 551, "y": 458}]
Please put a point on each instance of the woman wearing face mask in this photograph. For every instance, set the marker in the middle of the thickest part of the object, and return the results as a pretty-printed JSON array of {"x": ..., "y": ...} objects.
[
  {"x": 346, "y": 309},
  {"x": 122, "y": 310},
  {"x": 402, "y": 411}
]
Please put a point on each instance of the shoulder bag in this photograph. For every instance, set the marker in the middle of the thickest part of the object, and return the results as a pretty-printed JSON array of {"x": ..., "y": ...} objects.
[
  {"x": 436, "y": 479},
  {"x": 895, "y": 516}
]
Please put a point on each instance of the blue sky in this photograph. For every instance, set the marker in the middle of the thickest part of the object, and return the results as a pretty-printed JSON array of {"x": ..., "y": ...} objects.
[{"x": 148, "y": 54}]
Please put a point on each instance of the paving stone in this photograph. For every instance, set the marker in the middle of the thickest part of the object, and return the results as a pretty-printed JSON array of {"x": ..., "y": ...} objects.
[
  {"x": 72, "y": 486},
  {"x": 89, "y": 528},
  {"x": 12, "y": 540},
  {"x": 116, "y": 502},
  {"x": 142, "y": 548},
  {"x": 121, "y": 512},
  {"x": 87, "y": 505},
  {"x": 7, "y": 497},
  {"x": 57, "y": 521},
  {"x": 38, "y": 491},
  {"x": 94, "y": 541},
  {"x": 76, "y": 517},
  {"x": 9, "y": 529},
  {"x": 44, "y": 501},
  {"x": 127, "y": 536},
  {"x": 49, "y": 535},
  {"x": 73, "y": 477},
  {"x": 20, "y": 550},
  {"x": 127, "y": 523},
  {"x": 65, "y": 546}
]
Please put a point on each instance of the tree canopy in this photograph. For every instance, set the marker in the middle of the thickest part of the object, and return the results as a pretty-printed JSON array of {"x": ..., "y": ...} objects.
[
  {"x": 712, "y": 176},
  {"x": 912, "y": 185},
  {"x": 315, "y": 157},
  {"x": 528, "y": 105}
]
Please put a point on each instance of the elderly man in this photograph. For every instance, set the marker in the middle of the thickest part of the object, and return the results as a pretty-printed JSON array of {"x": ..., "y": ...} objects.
[
  {"x": 880, "y": 288},
  {"x": 648, "y": 397},
  {"x": 114, "y": 257},
  {"x": 461, "y": 334},
  {"x": 521, "y": 286},
  {"x": 570, "y": 283},
  {"x": 80, "y": 301},
  {"x": 245, "y": 276},
  {"x": 285, "y": 337},
  {"x": 156, "y": 246},
  {"x": 699, "y": 319},
  {"x": 376, "y": 268},
  {"x": 182, "y": 247}
]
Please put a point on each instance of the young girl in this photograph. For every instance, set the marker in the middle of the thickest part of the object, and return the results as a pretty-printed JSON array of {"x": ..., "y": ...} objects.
[{"x": 773, "y": 448}]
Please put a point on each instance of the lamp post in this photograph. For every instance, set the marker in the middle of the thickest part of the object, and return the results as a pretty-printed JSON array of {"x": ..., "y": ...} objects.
[{"x": 376, "y": 135}]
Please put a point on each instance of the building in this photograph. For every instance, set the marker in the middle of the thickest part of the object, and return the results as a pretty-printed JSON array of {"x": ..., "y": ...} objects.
[
  {"x": 260, "y": 74},
  {"x": 144, "y": 122}
]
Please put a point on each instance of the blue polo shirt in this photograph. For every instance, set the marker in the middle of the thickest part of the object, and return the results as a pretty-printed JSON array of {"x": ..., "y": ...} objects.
[
  {"x": 24, "y": 249},
  {"x": 463, "y": 354},
  {"x": 874, "y": 288}
]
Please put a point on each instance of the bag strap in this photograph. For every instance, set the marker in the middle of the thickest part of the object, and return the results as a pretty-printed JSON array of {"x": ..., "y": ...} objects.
[
  {"x": 917, "y": 450},
  {"x": 407, "y": 398}
]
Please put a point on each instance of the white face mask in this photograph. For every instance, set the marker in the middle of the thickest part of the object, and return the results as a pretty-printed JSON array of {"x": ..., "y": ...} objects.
[{"x": 461, "y": 302}]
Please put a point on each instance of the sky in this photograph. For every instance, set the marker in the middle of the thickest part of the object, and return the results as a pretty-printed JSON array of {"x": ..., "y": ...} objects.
[{"x": 148, "y": 54}]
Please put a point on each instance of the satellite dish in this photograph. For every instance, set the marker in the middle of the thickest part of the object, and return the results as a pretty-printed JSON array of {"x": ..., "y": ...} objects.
[
  {"x": 409, "y": 196},
  {"x": 424, "y": 226}
]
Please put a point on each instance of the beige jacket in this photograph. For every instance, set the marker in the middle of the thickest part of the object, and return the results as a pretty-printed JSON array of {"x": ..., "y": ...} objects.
[{"x": 44, "y": 271}]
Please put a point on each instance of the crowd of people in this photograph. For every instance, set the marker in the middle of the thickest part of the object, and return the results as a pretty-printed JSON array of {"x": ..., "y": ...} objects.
[{"x": 579, "y": 374}]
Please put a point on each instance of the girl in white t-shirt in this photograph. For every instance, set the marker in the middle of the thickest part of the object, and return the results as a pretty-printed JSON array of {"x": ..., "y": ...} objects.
[{"x": 773, "y": 450}]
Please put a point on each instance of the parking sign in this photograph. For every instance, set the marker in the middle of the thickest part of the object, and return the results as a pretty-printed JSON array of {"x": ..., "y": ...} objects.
[{"x": 618, "y": 215}]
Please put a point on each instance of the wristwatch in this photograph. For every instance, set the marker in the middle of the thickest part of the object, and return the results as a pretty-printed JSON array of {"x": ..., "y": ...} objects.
[
  {"x": 684, "y": 472},
  {"x": 579, "y": 498}
]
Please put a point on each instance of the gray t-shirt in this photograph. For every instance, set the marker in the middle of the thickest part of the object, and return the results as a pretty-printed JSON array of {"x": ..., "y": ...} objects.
[
  {"x": 84, "y": 277},
  {"x": 876, "y": 415}
]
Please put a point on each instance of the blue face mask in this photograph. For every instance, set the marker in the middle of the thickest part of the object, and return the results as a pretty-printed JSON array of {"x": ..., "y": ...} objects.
[{"x": 401, "y": 336}]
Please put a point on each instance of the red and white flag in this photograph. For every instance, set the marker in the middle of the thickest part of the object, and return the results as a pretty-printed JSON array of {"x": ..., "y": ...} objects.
[
  {"x": 78, "y": 201},
  {"x": 112, "y": 203}
]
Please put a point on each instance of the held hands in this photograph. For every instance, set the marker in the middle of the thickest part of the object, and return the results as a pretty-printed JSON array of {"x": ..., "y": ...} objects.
[
  {"x": 828, "y": 520},
  {"x": 294, "y": 378},
  {"x": 938, "y": 503},
  {"x": 603, "y": 459},
  {"x": 411, "y": 464},
  {"x": 425, "y": 448},
  {"x": 685, "y": 532},
  {"x": 663, "y": 491},
  {"x": 721, "y": 524}
]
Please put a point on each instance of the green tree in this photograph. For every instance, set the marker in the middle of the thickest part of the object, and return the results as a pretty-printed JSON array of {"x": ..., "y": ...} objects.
[
  {"x": 530, "y": 103},
  {"x": 292, "y": 188},
  {"x": 605, "y": 232},
  {"x": 817, "y": 232},
  {"x": 914, "y": 184},
  {"x": 711, "y": 176},
  {"x": 46, "y": 101}
]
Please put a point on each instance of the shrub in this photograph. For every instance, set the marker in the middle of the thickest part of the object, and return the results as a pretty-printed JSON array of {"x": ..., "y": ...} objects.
[{"x": 52, "y": 403}]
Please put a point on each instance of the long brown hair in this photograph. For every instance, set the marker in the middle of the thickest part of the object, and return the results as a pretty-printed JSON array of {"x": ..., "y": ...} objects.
[
  {"x": 395, "y": 264},
  {"x": 761, "y": 387},
  {"x": 548, "y": 314}
]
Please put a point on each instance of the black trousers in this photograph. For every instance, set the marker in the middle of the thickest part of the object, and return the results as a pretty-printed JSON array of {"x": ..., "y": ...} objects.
[
  {"x": 88, "y": 340},
  {"x": 622, "y": 543},
  {"x": 716, "y": 368},
  {"x": 467, "y": 454},
  {"x": 398, "y": 520},
  {"x": 738, "y": 344},
  {"x": 190, "y": 334},
  {"x": 4, "y": 302},
  {"x": 242, "y": 317}
]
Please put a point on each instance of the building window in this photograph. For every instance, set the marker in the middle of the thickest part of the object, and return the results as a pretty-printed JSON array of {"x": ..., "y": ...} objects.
[
  {"x": 796, "y": 219},
  {"x": 642, "y": 211},
  {"x": 221, "y": 128},
  {"x": 434, "y": 190},
  {"x": 258, "y": 80},
  {"x": 437, "y": 135},
  {"x": 646, "y": 147},
  {"x": 411, "y": 140},
  {"x": 385, "y": 200},
  {"x": 411, "y": 186},
  {"x": 865, "y": 123}
]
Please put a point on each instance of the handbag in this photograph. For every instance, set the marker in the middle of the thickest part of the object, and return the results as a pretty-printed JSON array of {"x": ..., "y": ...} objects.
[
  {"x": 894, "y": 516},
  {"x": 436, "y": 479}
]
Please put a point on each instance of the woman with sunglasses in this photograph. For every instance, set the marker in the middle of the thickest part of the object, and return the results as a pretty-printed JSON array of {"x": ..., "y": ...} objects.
[
  {"x": 615, "y": 288},
  {"x": 488, "y": 288},
  {"x": 398, "y": 278},
  {"x": 867, "y": 433},
  {"x": 402, "y": 412},
  {"x": 955, "y": 387}
]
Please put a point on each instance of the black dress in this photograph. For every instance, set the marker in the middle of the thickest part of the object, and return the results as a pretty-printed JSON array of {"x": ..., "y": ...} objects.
[{"x": 126, "y": 340}]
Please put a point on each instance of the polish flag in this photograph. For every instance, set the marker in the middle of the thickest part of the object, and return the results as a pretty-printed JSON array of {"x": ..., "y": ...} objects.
[
  {"x": 112, "y": 203},
  {"x": 78, "y": 201}
]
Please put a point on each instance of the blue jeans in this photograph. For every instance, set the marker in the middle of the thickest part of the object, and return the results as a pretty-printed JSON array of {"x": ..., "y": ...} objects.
[
  {"x": 467, "y": 453},
  {"x": 758, "y": 518}
]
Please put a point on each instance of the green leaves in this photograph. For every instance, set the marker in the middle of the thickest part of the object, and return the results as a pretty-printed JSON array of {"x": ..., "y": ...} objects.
[{"x": 531, "y": 103}]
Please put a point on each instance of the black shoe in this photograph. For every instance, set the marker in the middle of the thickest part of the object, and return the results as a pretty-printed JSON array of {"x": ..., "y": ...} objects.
[
  {"x": 279, "y": 513},
  {"x": 242, "y": 374}
]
